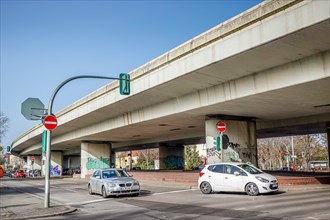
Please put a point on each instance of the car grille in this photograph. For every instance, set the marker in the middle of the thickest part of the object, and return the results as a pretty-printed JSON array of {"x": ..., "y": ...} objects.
[
  {"x": 125, "y": 185},
  {"x": 125, "y": 191}
]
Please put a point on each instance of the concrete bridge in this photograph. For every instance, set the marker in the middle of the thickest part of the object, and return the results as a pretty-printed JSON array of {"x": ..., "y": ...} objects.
[{"x": 265, "y": 73}]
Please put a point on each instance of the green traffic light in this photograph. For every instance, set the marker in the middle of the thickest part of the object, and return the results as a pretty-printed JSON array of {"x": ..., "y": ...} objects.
[
  {"x": 124, "y": 84},
  {"x": 217, "y": 143}
]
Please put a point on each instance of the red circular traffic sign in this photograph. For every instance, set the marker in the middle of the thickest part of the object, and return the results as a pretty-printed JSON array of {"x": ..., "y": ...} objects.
[
  {"x": 221, "y": 126},
  {"x": 50, "y": 122}
]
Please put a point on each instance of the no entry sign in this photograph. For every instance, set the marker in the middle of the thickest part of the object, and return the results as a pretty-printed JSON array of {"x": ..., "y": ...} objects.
[
  {"x": 50, "y": 122},
  {"x": 221, "y": 126}
]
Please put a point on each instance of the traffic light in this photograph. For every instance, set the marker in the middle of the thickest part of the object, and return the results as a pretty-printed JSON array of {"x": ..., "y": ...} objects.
[
  {"x": 8, "y": 149},
  {"x": 225, "y": 141},
  {"x": 124, "y": 84},
  {"x": 217, "y": 142}
]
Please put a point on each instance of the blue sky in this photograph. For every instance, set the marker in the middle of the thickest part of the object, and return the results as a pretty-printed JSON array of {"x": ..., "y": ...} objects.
[{"x": 44, "y": 43}]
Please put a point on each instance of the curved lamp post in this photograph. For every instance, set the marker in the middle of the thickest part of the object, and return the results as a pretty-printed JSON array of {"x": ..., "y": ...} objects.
[{"x": 124, "y": 90}]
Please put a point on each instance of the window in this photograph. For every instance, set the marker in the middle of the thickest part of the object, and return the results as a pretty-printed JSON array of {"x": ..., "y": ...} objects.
[
  {"x": 96, "y": 173},
  {"x": 250, "y": 169},
  {"x": 228, "y": 169},
  {"x": 216, "y": 168}
]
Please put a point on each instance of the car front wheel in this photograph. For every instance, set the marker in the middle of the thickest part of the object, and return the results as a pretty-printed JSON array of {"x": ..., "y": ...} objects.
[
  {"x": 206, "y": 188},
  {"x": 104, "y": 192},
  {"x": 252, "y": 189},
  {"x": 90, "y": 191}
]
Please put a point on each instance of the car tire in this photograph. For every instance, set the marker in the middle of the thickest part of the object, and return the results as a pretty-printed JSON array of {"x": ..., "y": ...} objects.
[
  {"x": 104, "y": 192},
  {"x": 206, "y": 188},
  {"x": 251, "y": 189},
  {"x": 90, "y": 191}
]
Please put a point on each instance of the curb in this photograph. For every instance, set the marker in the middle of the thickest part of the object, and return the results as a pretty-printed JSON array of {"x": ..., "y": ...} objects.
[{"x": 49, "y": 212}]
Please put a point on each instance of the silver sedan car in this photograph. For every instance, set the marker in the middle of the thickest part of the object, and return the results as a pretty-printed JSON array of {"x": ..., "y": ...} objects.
[{"x": 113, "y": 182}]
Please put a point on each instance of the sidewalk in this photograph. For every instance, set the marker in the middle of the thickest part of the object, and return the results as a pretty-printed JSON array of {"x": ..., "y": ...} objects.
[
  {"x": 30, "y": 207},
  {"x": 31, "y": 211}
]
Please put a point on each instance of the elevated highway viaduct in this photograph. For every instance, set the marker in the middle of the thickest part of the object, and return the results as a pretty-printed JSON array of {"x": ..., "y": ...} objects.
[{"x": 264, "y": 73}]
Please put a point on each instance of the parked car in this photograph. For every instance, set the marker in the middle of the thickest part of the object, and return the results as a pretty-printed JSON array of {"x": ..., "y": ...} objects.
[
  {"x": 11, "y": 173},
  {"x": 286, "y": 169},
  {"x": 67, "y": 171},
  {"x": 236, "y": 177},
  {"x": 136, "y": 168},
  {"x": 2, "y": 172},
  {"x": 113, "y": 181},
  {"x": 35, "y": 173},
  {"x": 19, "y": 174}
]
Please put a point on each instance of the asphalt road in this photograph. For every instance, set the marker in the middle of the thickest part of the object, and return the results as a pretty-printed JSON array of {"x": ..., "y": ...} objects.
[{"x": 160, "y": 201}]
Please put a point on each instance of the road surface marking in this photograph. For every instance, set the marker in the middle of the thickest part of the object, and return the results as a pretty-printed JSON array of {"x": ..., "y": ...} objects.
[
  {"x": 176, "y": 191},
  {"x": 86, "y": 202}
]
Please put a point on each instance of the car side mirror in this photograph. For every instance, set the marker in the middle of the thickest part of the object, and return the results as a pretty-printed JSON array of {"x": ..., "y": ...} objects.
[
  {"x": 236, "y": 173},
  {"x": 98, "y": 177}
]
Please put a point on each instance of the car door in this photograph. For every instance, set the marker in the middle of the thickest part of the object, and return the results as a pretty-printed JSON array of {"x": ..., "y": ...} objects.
[
  {"x": 215, "y": 176},
  {"x": 94, "y": 181},
  {"x": 233, "y": 178}
]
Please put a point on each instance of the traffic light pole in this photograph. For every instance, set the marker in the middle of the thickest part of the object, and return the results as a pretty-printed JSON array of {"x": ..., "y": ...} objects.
[{"x": 123, "y": 77}]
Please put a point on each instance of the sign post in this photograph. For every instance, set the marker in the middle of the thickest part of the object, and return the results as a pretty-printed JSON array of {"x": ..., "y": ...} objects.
[
  {"x": 221, "y": 126},
  {"x": 51, "y": 123}
]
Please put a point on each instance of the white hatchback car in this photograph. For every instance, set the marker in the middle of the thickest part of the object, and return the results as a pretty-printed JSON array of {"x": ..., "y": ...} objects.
[{"x": 236, "y": 177}]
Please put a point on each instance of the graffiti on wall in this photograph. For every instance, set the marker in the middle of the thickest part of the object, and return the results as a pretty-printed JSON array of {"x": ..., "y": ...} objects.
[
  {"x": 97, "y": 163},
  {"x": 212, "y": 152},
  {"x": 55, "y": 171},
  {"x": 232, "y": 151},
  {"x": 174, "y": 162}
]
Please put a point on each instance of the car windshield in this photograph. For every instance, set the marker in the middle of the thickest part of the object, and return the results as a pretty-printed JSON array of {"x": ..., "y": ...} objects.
[
  {"x": 114, "y": 173},
  {"x": 250, "y": 169}
]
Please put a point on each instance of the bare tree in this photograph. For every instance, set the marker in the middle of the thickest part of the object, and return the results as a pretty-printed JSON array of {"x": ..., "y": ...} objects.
[{"x": 4, "y": 120}]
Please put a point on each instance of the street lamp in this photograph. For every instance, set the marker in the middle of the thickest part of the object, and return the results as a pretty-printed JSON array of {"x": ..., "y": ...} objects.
[{"x": 124, "y": 90}]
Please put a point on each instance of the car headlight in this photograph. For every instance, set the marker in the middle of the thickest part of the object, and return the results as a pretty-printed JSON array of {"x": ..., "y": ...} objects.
[
  {"x": 136, "y": 183},
  {"x": 262, "y": 179},
  {"x": 111, "y": 185}
]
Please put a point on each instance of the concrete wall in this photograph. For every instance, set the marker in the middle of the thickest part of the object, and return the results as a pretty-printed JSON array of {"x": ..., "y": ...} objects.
[
  {"x": 94, "y": 156},
  {"x": 56, "y": 163},
  {"x": 241, "y": 139},
  {"x": 36, "y": 164}
]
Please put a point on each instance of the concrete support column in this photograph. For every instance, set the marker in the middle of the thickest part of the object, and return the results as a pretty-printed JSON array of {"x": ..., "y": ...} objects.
[
  {"x": 238, "y": 142},
  {"x": 36, "y": 164},
  {"x": 328, "y": 140},
  {"x": 171, "y": 157},
  {"x": 94, "y": 156},
  {"x": 56, "y": 163}
]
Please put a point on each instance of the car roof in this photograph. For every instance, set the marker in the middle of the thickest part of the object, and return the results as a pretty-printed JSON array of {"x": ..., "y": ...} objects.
[
  {"x": 230, "y": 163},
  {"x": 103, "y": 169}
]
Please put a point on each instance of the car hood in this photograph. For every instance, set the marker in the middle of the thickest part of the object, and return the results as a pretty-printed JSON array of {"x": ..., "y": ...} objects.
[
  {"x": 119, "y": 180},
  {"x": 266, "y": 176}
]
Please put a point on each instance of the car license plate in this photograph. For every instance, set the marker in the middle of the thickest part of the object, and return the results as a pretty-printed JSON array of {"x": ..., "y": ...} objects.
[
  {"x": 125, "y": 188},
  {"x": 273, "y": 186}
]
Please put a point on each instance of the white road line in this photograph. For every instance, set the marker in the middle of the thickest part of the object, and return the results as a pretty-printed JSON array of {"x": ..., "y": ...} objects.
[
  {"x": 313, "y": 218},
  {"x": 176, "y": 191},
  {"x": 258, "y": 206},
  {"x": 86, "y": 202}
]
